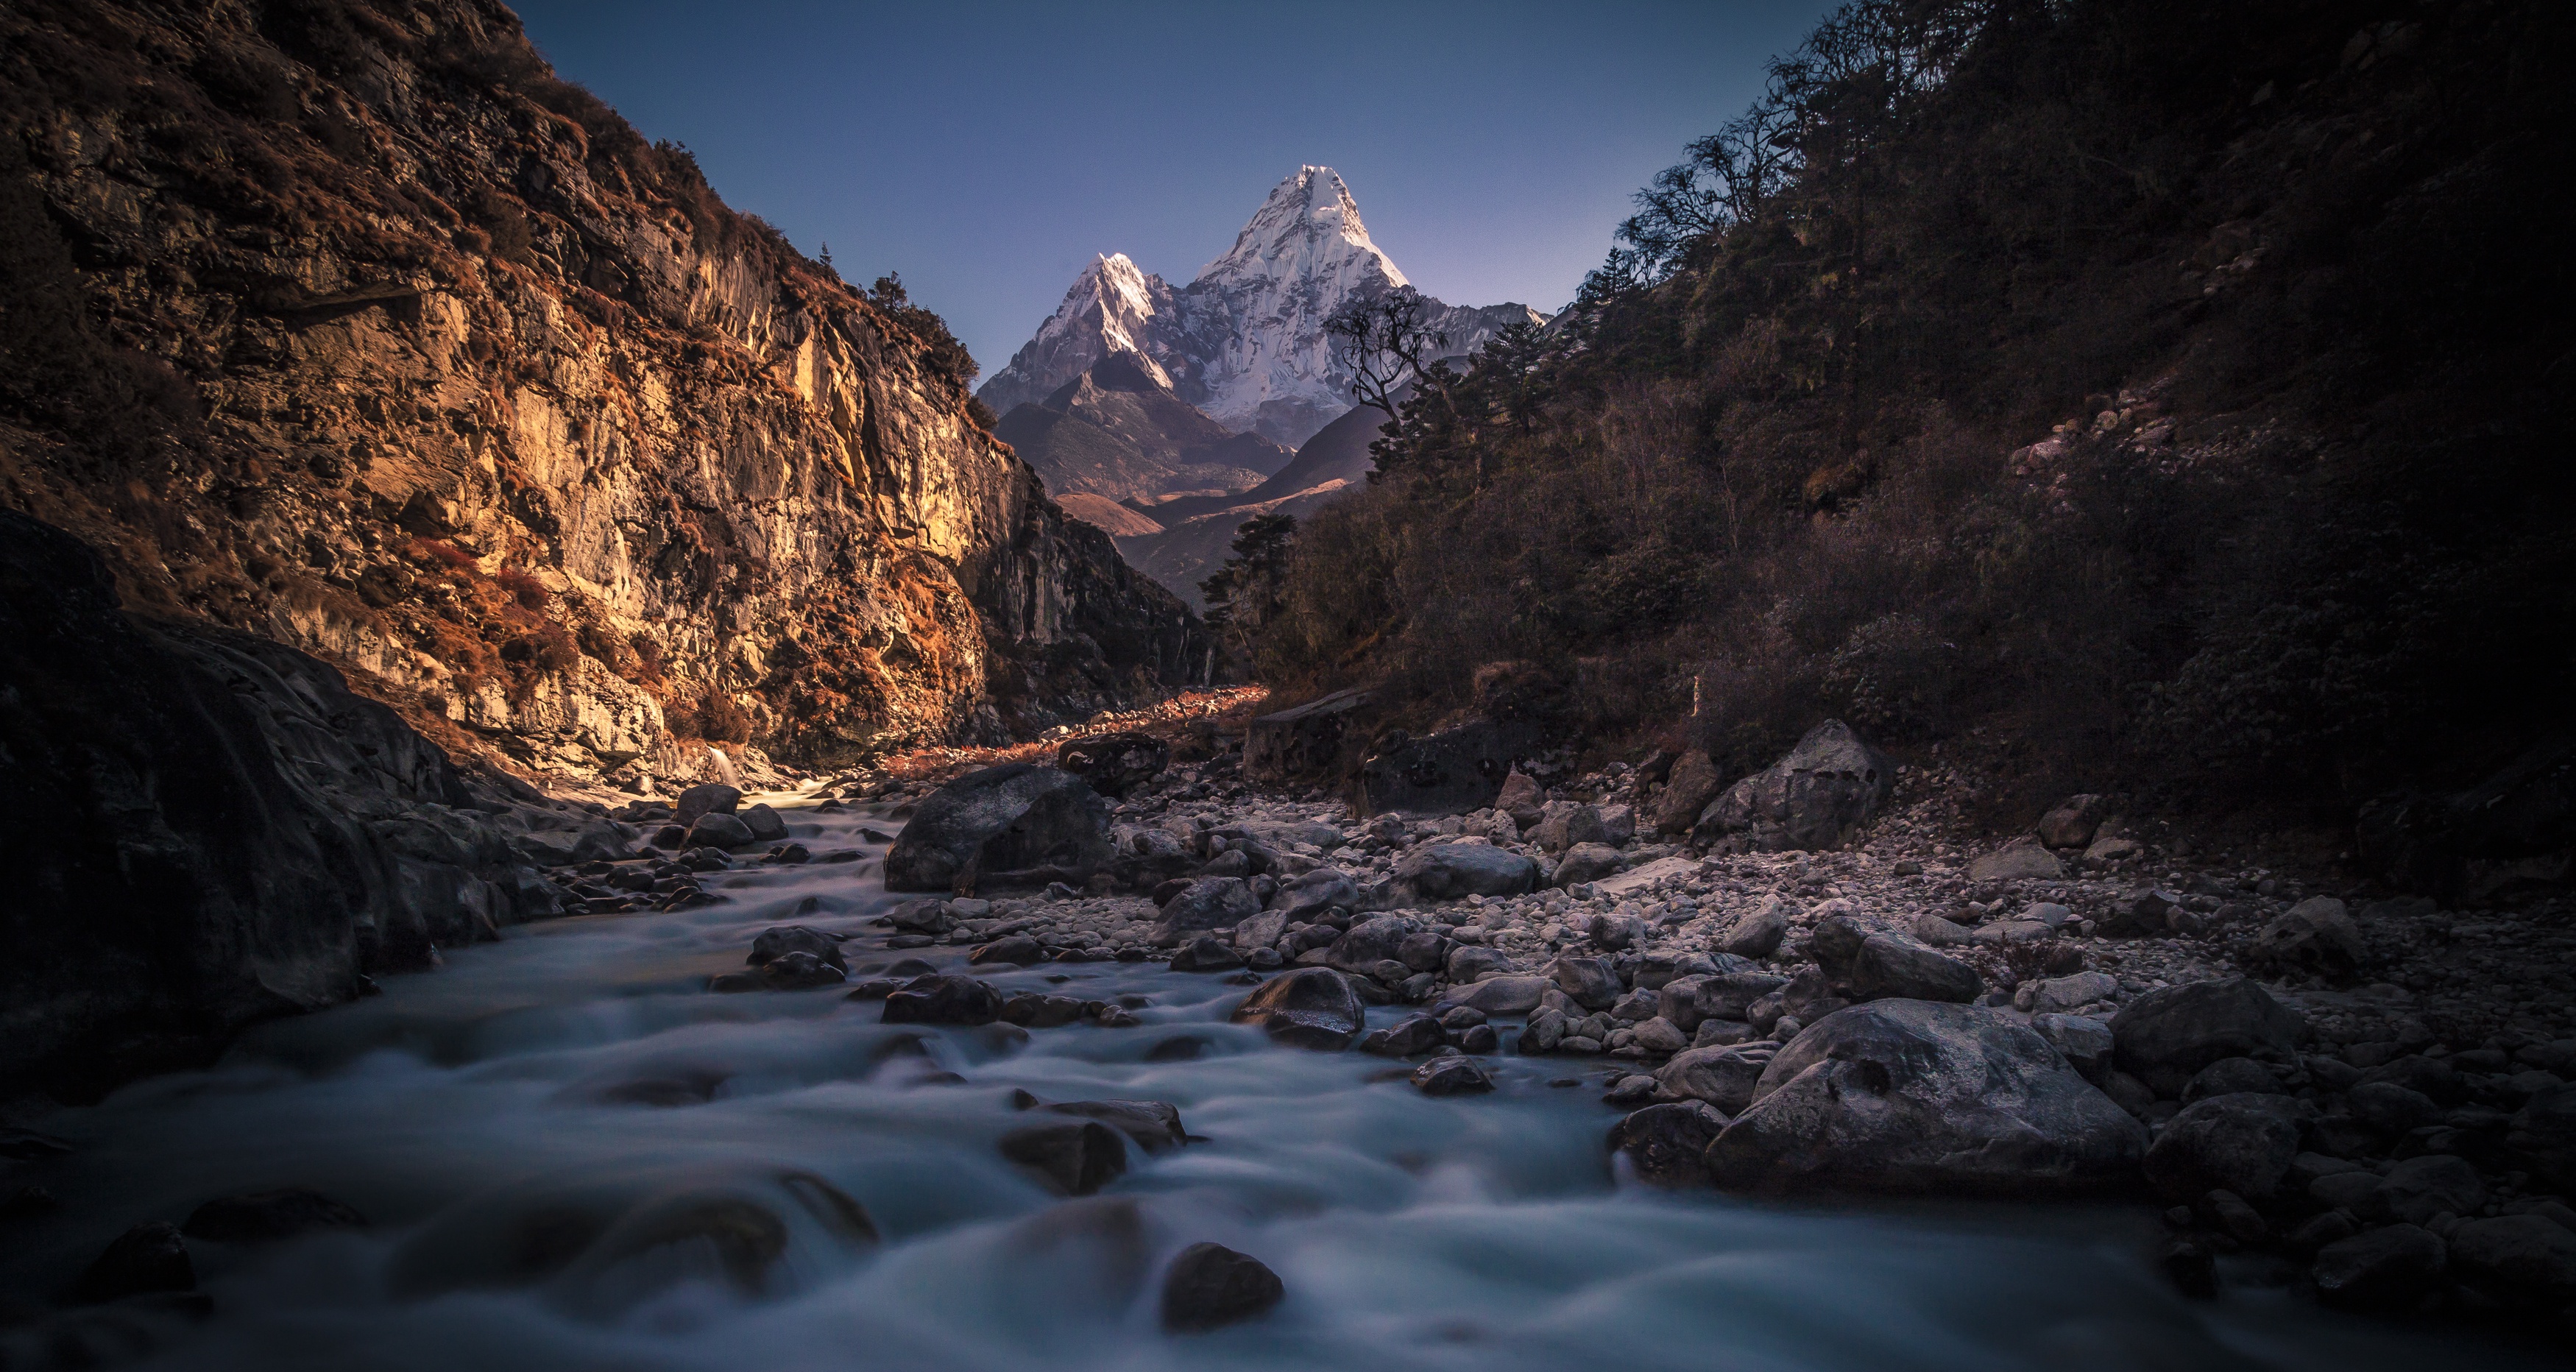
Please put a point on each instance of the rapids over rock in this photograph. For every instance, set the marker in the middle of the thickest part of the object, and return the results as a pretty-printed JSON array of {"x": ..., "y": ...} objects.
[{"x": 571, "y": 1154}]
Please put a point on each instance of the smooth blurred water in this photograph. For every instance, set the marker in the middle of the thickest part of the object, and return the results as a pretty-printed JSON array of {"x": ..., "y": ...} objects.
[{"x": 477, "y": 1116}]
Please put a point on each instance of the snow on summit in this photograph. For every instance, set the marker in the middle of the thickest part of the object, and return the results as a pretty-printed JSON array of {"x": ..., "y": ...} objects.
[{"x": 1245, "y": 340}]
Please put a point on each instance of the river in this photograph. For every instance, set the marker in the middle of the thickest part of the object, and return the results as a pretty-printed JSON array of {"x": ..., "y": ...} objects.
[{"x": 491, "y": 1117}]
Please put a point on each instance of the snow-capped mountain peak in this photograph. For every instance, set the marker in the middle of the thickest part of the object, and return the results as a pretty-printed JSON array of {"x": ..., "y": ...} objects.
[
  {"x": 1245, "y": 341},
  {"x": 1309, "y": 219}
]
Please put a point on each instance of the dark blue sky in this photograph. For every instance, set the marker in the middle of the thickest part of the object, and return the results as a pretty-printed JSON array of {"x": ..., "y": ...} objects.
[{"x": 986, "y": 151}]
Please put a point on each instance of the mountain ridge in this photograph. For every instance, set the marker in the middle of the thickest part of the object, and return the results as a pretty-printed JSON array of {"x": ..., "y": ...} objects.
[{"x": 1244, "y": 340}]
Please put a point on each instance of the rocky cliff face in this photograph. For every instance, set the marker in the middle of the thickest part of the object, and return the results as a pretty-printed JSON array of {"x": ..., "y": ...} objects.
[
  {"x": 1245, "y": 340},
  {"x": 212, "y": 830},
  {"x": 366, "y": 333}
]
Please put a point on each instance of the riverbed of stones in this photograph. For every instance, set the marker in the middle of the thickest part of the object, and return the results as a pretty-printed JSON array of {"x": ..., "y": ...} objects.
[{"x": 2368, "y": 1097}]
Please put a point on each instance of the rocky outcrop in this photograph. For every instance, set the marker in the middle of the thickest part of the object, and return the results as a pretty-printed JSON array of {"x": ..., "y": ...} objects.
[
  {"x": 1447, "y": 773},
  {"x": 1016, "y": 824},
  {"x": 210, "y": 829},
  {"x": 383, "y": 342},
  {"x": 1911, "y": 1096},
  {"x": 1814, "y": 798}
]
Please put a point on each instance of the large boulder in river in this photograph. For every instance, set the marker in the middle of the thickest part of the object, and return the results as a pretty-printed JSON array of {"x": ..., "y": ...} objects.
[
  {"x": 943, "y": 998},
  {"x": 1447, "y": 773},
  {"x": 1205, "y": 904},
  {"x": 1210, "y": 1286},
  {"x": 1915, "y": 1097},
  {"x": 1016, "y": 824},
  {"x": 1312, "y": 1007},
  {"x": 209, "y": 829},
  {"x": 1454, "y": 871},
  {"x": 1814, "y": 798},
  {"x": 706, "y": 798},
  {"x": 2165, "y": 1037}
]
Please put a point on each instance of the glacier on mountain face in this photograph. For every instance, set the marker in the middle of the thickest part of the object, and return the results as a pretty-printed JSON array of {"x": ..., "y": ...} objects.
[{"x": 1245, "y": 341}]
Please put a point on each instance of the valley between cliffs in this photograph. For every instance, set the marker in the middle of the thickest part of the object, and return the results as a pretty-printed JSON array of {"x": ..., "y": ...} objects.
[{"x": 356, "y": 328}]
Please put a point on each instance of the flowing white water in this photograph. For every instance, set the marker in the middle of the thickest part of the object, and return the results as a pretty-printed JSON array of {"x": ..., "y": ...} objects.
[{"x": 479, "y": 1113}]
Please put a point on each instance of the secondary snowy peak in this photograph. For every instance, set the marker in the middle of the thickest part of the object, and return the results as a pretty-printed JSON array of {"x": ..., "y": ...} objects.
[
  {"x": 1309, "y": 227},
  {"x": 1245, "y": 341},
  {"x": 1110, "y": 309}
]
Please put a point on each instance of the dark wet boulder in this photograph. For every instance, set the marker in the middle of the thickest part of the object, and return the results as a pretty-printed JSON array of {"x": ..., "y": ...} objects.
[
  {"x": 1470, "y": 963},
  {"x": 1868, "y": 966},
  {"x": 2165, "y": 1037},
  {"x": 1210, "y": 903},
  {"x": 1587, "y": 862},
  {"x": 1688, "y": 789},
  {"x": 1371, "y": 941},
  {"x": 1668, "y": 1144},
  {"x": 1816, "y": 797},
  {"x": 1012, "y": 950},
  {"x": 1424, "y": 951},
  {"x": 796, "y": 971},
  {"x": 707, "y": 798},
  {"x": 149, "y": 1259},
  {"x": 780, "y": 940},
  {"x": 1076, "y": 1158},
  {"x": 1756, "y": 933},
  {"x": 1306, "y": 896},
  {"x": 1038, "y": 1010},
  {"x": 1206, "y": 953},
  {"x": 1588, "y": 982},
  {"x": 1312, "y": 1007},
  {"x": 1412, "y": 1035},
  {"x": 1565, "y": 823},
  {"x": 1154, "y": 1125},
  {"x": 765, "y": 824},
  {"x": 1115, "y": 764},
  {"x": 1725, "y": 1077},
  {"x": 268, "y": 1216},
  {"x": 1454, "y": 871},
  {"x": 2543, "y": 1136},
  {"x": 944, "y": 999},
  {"x": 2520, "y": 1262},
  {"x": 2398, "y": 1268},
  {"x": 1502, "y": 995},
  {"x": 1016, "y": 824},
  {"x": 719, "y": 831},
  {"x": 1926, "y": 1098},
  {"x": 2241, "y": 1143},
  {"x": 2420, "y": 1190},
  {"x": 1210, "y": 1286},
  {"x": 1451, "y": 1076},
  {"x": 2315, "y": 936},
  {"x": 1447, "y": 773},
  {"x": 2086, "y": 1043},
  {"x": 1691, "y": 1000}
]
